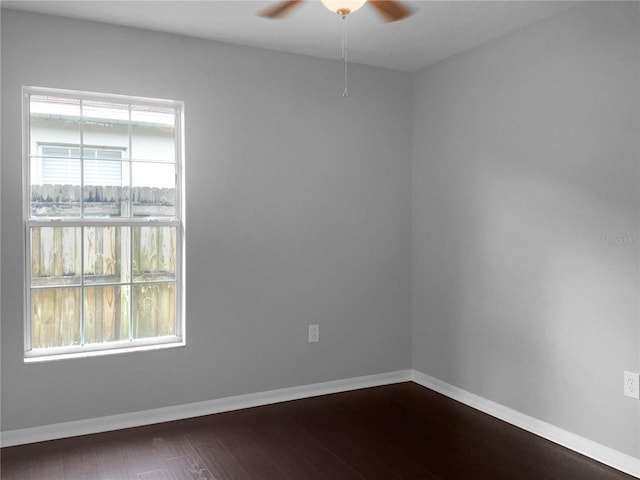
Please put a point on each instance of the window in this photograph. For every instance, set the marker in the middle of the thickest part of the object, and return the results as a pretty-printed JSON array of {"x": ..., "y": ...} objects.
[
  {"x": 99, "y": 167},
  {"x": 103, "y": 223}
]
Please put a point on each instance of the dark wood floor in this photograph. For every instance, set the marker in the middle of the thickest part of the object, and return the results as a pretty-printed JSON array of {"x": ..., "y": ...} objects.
[{"x": 401, "y": 431}]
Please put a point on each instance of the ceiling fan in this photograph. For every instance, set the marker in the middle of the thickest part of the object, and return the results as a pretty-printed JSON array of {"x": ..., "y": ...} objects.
[{"x": 389, "y": 10}]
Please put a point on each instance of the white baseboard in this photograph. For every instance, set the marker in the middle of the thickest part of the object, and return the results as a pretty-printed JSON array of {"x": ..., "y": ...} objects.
[
  {"x": 180, "y": 412},
  {"x": 589, "y": 448}
]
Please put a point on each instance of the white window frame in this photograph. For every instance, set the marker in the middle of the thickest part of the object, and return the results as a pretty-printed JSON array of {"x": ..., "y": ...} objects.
[{"x": 123, "y": 346}]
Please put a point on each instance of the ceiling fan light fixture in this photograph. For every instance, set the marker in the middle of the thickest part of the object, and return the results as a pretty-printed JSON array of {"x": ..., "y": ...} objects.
[{"x": 343, "y": 7}]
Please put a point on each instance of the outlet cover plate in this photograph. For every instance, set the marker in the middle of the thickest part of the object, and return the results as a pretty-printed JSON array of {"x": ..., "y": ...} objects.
[
  {"x": 632, "y": 385},
  {"x": 314, "y": 333}
]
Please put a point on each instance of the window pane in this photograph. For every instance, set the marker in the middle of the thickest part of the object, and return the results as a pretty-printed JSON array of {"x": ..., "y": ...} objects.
[
  {"x": 60, "y": 171},
  {"x": 53, "y": 120},
  {"x": 102, "y": 172},
  {"x": 153, "y": 189},
  {"x": 106, "y": 254},
  {"x": 103, "y": 153},
  {"x": 106, "y": 311},
  {"x": 55, "y": 317},
  {"x": 59, "y": 151},
  {"x": 154, "y": 253},
  {"x": 55, "y": 187},
  {"x": 105, "y": 190},
  {"x": 153, "y": 133},
  {"x": 154, "y": 310},
  {"x": 106, "y": 124},
  {"x": 55, "y": 256}
]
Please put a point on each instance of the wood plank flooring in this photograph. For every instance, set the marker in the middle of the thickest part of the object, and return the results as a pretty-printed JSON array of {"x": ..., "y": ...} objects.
[{"x": 395, "y": 432}]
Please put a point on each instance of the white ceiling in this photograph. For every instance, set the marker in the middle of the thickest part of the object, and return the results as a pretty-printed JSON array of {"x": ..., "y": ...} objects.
[{"x": 437, "y": 30}]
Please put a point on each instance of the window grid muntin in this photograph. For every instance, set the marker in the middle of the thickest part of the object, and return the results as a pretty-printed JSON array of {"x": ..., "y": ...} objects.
[{"x": 131, "y": 221}]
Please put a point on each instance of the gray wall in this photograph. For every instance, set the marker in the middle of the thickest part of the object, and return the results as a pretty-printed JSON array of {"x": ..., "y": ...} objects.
[
  {"x": 525, "y": 221},
  {"x": 298, "y": 212}
]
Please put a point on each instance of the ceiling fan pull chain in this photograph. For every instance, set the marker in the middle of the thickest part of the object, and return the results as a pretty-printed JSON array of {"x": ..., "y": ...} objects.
[{"x": 345, "y": 50}]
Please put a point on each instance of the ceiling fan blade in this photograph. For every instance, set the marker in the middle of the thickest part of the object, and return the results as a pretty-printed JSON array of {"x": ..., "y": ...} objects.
[
  {"x": 279, "y": 9},
  {"x": 390, "y": 10}
]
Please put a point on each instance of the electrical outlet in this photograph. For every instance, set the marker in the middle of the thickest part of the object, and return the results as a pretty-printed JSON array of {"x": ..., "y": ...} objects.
[
  {"x": 632, "y": 385},
  {"x": 314, "y": 333}
]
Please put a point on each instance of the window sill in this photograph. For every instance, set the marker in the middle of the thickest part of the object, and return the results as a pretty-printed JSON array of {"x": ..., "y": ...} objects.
[{"x": 43, "y": 357}]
